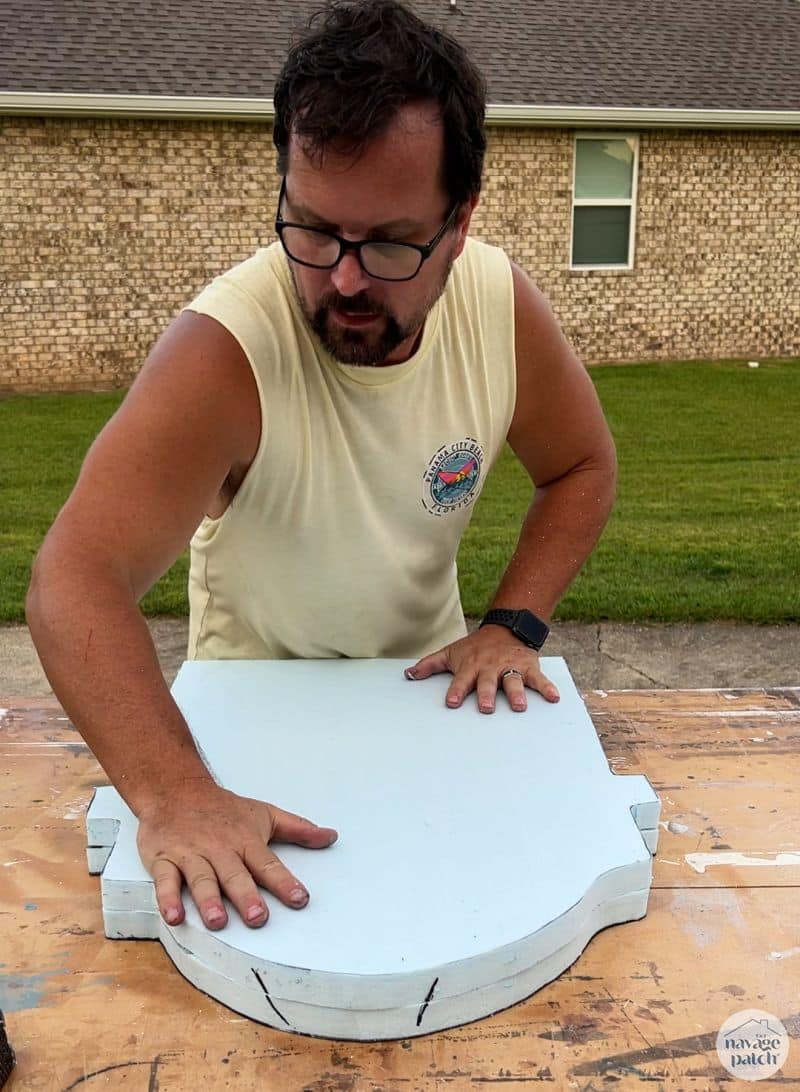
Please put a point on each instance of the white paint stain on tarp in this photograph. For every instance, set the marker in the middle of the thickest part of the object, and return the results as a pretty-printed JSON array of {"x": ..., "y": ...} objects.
[
  {"x": 785, "y": 954},
  {"x": 730, "y": 714},
  {"x": 701, "y": 861},
  {"x": 704, "y": 913},
  {"x": 75, "y": 808}
]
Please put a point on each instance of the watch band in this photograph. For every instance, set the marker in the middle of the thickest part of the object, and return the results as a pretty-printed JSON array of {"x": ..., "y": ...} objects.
[
  {"x": 524, "y": 624},
  {"x": 500, "y": 617}
]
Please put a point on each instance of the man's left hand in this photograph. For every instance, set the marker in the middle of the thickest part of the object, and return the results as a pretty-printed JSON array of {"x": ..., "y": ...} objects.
[{"x": 487, "y": 660}]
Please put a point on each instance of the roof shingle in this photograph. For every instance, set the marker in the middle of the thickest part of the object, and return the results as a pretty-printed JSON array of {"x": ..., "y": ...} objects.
[{"x": 679, "y": 54}]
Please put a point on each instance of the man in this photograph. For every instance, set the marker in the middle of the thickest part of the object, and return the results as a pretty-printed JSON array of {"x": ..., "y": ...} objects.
[{"x": 319, "y": 422}]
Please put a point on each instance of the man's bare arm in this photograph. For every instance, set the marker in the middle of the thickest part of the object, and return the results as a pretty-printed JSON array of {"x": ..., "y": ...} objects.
[
  {"x": 155, "y": 469},
  {"x": 559, "y": 434}
]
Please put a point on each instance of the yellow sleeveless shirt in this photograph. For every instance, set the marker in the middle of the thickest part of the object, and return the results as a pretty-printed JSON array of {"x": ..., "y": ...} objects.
[{"x": 342, "y": 537}]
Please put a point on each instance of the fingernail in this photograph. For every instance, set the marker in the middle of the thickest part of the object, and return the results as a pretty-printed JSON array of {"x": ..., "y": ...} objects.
[
  {"x": 215, "y": 915},
  {"x": 298, "y": 897},
  {"x": 172, "y": 915},
  {"x": 254, "y": 913},
  {"x": 410, "y": 673}
]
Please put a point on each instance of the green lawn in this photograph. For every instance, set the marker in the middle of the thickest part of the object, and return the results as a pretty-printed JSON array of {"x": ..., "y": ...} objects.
[
  {"x": 706, "y": 526},
  {"x": 44, "y": 440}
]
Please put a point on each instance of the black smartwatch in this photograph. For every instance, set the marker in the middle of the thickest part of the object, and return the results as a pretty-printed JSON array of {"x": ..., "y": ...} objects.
[{"x": 529, "y": 629}]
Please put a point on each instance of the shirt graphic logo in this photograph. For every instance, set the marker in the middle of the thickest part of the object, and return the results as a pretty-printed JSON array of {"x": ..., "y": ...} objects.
[{"x": 452, "y": 478}]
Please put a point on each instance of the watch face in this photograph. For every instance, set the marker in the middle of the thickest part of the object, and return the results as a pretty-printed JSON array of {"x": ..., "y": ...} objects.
[
  {"x": 523, "y": 624},
  {"x": 531, "y": 629}
]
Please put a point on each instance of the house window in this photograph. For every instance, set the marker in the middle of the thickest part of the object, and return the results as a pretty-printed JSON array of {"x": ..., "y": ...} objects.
[{"x": 604, "y": 201}]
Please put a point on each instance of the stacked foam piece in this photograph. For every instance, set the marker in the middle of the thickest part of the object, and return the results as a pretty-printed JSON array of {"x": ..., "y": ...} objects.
[{"x": 477, "y": 855}]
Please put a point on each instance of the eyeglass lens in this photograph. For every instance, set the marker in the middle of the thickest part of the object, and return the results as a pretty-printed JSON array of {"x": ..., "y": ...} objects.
[{"x": 391, "y": 261}]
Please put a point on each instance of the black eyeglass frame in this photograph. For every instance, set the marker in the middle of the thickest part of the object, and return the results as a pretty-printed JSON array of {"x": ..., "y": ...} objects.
[{"x": 423, "y": 249}]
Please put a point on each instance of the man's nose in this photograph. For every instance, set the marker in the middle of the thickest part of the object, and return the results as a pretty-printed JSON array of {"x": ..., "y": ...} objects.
[{"x": 347, "y": 276}]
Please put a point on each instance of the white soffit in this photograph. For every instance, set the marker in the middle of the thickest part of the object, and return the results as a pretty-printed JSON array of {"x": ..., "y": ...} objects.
[{"x": 244, "y": 109}]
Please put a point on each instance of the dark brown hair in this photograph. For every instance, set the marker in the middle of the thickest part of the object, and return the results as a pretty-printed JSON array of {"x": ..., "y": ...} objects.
[{"x": 358, "y": 64}]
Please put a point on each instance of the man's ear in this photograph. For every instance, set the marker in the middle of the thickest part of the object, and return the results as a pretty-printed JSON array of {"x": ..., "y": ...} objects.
[{"x": 462, "y": 223}]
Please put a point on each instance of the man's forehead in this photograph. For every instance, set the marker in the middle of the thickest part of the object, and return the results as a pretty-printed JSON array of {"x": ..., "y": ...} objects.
[
  {"x": 410, "y": 146},
  {"x": 379, "y": 187},
  {"x": 412, "y": 122},
  {"x": 323, "y": 210}
]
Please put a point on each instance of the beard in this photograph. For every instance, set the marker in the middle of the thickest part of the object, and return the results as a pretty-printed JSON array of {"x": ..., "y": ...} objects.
[{"x": 367, "y": 347}]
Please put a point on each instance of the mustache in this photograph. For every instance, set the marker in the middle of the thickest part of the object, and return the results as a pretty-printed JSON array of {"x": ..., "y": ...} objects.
[{"x": 360, "y": 304}]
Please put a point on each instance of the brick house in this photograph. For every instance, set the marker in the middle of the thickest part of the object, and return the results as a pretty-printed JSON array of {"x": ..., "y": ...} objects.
[{"x": 643, "y": 166}]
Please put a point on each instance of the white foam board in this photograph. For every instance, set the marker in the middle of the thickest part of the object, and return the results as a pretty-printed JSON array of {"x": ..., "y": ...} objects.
[{"x": 477, "y": 855}]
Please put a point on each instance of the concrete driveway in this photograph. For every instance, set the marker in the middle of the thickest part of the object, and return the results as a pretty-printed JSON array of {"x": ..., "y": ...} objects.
[{"x": 607, "y": 656}]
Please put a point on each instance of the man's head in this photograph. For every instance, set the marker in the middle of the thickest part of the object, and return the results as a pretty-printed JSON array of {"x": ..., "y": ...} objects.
[
  {"x": 379, "y": 131},
  {"x": 345, "y": 81}
]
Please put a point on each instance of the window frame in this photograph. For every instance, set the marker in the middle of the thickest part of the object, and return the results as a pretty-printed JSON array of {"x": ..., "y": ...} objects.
[{"x": 598, "y": 202}]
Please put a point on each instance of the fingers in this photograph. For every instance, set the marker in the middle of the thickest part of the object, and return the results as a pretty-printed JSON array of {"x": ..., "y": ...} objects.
[
  {"x": 288, "y": 827},
  {"x": 486, "y": 684},
  {"x": 233, "y": 861},
  {"x": 168, "y": 881},
  {"x": 485, "y": 662},
  {"x": 464, "y": 682},
  {"x": 258, "y": 865},
  {"x": 536, "y": 680},
  {"x": 513, "y": 683},
  {"x": 232, "y": 875},
  {"x": 434, "y": 664},
  {"x": 272, "y": 874},
  {"x": 201, "y": 879},
  {"x": 268, "y": 869}
]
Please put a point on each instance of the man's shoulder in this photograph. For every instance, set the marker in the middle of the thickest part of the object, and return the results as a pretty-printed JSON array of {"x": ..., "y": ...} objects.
[
  {"x": 478, "y": 250},
  {"x": 254, "y": 301},
  {"x": 482, "y": 280},
  {"x": 483, "y": 264},
  {"x": 256, "y": 276}
]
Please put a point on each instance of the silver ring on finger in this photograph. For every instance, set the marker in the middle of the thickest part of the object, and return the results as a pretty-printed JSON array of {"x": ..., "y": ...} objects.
[{"x": 511, "y": 671}]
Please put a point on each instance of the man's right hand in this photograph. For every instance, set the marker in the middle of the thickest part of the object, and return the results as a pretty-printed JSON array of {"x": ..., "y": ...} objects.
[{"x": 218, "y": 843}]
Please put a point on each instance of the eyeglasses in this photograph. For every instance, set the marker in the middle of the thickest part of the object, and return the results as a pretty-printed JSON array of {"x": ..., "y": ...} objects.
[{"x": 385, "y": 261}]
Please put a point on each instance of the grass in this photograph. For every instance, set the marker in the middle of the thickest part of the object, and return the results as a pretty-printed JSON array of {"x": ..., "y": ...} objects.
[
  {"x": 707, "y": 520},
  {"x": 706, "y": 526},
  {"x": 44, "y": 441}
]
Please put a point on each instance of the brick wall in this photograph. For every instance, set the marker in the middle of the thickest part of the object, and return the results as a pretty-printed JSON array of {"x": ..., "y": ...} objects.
[
  {"x": 717, "y": 243},
  {"x": 110, "y": 226}
]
